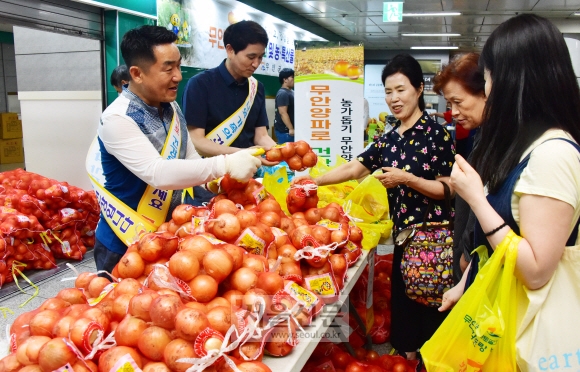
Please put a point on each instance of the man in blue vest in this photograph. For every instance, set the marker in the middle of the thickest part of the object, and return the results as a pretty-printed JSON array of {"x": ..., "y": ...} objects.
[{"x": 143, "y": 156}]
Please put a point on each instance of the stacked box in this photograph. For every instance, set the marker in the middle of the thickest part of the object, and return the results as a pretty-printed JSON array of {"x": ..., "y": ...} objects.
[{"x": 11, "y": 147}]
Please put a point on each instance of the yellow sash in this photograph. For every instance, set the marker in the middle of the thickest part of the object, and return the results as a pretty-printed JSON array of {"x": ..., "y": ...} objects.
[
  {"x": 154, "y": 204},
  {"x": 228, "y": 130}
]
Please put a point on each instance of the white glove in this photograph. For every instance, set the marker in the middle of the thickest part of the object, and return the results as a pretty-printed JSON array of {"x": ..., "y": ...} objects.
[{"x": 242, "y": 165}]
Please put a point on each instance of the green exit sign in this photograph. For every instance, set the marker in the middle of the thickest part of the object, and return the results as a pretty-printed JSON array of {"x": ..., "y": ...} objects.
[{"x": 393, "y": 11}]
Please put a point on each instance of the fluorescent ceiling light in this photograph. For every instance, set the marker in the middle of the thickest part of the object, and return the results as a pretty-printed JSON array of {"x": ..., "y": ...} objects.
[
  {"x": 434, "y": 47},
  {"x": 435, "y": 14},
  {"x": 442, "y": 35},
  {"x": 577, "y": 13}
]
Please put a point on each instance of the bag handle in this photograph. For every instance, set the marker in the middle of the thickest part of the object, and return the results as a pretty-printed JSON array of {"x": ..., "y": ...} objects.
[{"x": 447, "y": 205}]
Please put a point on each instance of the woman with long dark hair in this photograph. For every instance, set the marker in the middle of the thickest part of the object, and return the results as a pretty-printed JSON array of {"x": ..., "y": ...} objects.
[{"x": 527, "y": 157}]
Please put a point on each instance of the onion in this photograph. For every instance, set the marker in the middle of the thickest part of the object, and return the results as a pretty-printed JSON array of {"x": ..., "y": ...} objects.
[
  {"x": 270, "y": 205},
  {"x": 253, "y": 367},
  {"x": 27, "y": 352},
  {"x": 83, "y": 280},
  {"x": 189, "y": 323},
  {"x": 220, "y": 318},
  {"x": 226, "y": 227},
  {"x": 76, "y": 310},
  {"x": 287, "y": 224},
  {"x": 203, "y": 288},
  {"x": 85, "y": 366},
  {"x": 172, "y": 228},
  {"x": 157, "y": 366},
  {"x": 218, "y": 264},
  {"x": 330, "y": 213},
  {"x": 185, "y": 230},
  {"x": 83, "y": 334},
  {"x": 169, "y": 245},
  {"x": 271, "y": 219},
  {"x": 163, "y": 227},
  {"x": 197, "y": 306},
  {"x": 299, "y": 222},
  {"x": 238, "y": 196},
  {"x": 30, "y": 368},
  {"x": 55, "y": 354},
  {"x": 244, "y": 279},
  {"x": 97, "y": 285},
  {"x": 312, "y": 215},
  {"x": 149, "y": 266},
  {"x": 237, "y": 254},
  {"x": 72, "y": 296},
  {"x": 128, "y": 286},
  {"x": 339, "y": 236},
  {"x": 246, "y": 218},
  {"x": 309, "y": 159},
  {"x": 109, "y": 358},
  {"x": 299, "y": 234},
  {"x": 311, "y": 202},
  {"x": 295, "y": 163},
  {"x": 62, "y": 326},
  {"x": 54, "y": 304},
  {"x": 268, "y": 235},
  {"x": 273, "y": 248},
  {"x": 153, "y": 341},
  {"x": 196, "y": 244},
  {"x": 234, "y": 297},
  {"x": 291, "y": 270},
  {"x": 255, "y": 262},
  {"x": 271, "y": 283},
  {"x": 150, "y": 246},
  {"x": 10, "y": 364},
  {"x": 184, "y": 265},
  {"x": 288, "y": 150},
  {"x": 140, "y": 304},
  {"x": 217, "y": 301},
  {"x": 251, "y": 350},
  {"x": 287, "y": 252},
  {"x": 274, "y": 154},
  {"x": 273, "y": 266},
  {"x": 129, "y": 331},
  {"x": 251, "y": 300},
  {"x": 43, "y": 323},
  {"x": 98, "y": 316},
  {"x": 276, "y": 341},
  {"x": 175, "y": 350},
  {"x": 355, "y": 234},
  {"x": 163, "y": 310},
  {"x": 182, "y": 213},
  {"x": 224, "y": 206},
  {"x": 302, "y": 147},
  {"x": 131, "y": 265},
  {"x": 321, "y": 234}
]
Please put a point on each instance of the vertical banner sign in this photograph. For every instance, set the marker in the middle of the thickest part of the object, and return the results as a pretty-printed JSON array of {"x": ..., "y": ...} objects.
[
  {"x": 200, "y": 25},
  {"x": 328, "y": 97}
]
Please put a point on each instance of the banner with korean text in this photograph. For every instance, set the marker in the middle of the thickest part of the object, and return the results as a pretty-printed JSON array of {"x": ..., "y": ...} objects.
[
  {"x": 200, "y": 25},
  {"x": 328, "y": 98}
]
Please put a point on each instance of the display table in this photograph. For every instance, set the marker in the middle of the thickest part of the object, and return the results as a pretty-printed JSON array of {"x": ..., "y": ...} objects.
[{"x": 301, "y": 353}]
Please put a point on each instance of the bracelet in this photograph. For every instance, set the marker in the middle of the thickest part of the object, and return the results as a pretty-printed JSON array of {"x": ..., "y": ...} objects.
[{"x": 496, "y": 229}]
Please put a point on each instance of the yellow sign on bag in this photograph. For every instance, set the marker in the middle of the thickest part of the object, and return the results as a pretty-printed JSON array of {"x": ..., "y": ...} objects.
[
  {"x": 154, "y": 204},
  {"x": 228, "y": 130}
]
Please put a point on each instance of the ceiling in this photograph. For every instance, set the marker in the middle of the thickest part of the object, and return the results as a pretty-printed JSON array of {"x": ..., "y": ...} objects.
[{"x": 362, "y": 20}]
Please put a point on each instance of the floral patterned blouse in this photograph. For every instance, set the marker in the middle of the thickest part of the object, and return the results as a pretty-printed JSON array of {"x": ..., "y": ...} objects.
[{"x": 425, "y": 150}]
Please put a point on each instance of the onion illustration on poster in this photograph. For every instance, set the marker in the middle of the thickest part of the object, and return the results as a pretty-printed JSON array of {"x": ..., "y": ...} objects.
[
  {"x": 202, "y": 44},
  {"x": 328, "y": 98}
]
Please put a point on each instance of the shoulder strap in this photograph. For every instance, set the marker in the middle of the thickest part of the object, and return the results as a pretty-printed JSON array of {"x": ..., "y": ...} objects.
[
  {"x": 574, "y": 235},
  {"x": 447, "y": 205}
]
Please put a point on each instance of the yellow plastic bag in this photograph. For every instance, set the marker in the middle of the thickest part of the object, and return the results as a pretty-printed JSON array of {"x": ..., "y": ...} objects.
[
  {"x": 373, "y": 232},
  {"x": 479, "y": 333},
  {"x": 331, "y": 193},
  {"x": 369, "y": 201},
  {"x": 277, "y": 184}
]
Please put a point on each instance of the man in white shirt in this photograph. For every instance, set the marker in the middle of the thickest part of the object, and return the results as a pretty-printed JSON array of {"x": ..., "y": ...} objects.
[{"x": 146, "y": 154}]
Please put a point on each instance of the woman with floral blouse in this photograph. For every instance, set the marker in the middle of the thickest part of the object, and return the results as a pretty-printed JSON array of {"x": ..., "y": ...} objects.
[{"x": 414, "y": 156}]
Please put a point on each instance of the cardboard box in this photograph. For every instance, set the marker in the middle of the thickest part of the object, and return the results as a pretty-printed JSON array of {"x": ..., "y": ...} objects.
[
  {"x": 10, "y": 126},
  {"x": 11, "y": 151}
]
